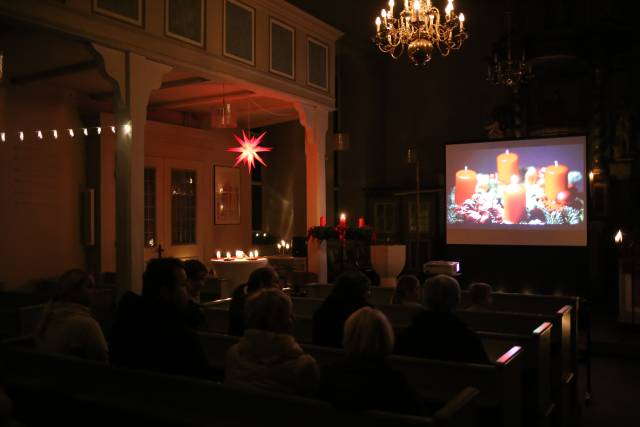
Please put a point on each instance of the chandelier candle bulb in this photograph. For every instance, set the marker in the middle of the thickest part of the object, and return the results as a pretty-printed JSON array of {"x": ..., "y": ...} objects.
[
  {"x": 507, "y": 164},
  {"x": 466, "y": 181},
  {"x": 461, "y": 19},
  {"x": 514, "y": 201},
  {"x": 377, "y": 24},
  {"x": 555, "y": 180}
]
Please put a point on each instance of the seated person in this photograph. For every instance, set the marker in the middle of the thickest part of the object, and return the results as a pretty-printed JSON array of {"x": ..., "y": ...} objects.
[
  {"x": 196, "y": 277},
  {"x": 261, "y": 278},
  {"x": 481, "y": 299},
  {"x": 350, "y": 293},
  {"x": 151, "y": 332},
  {"x": 67, "y": 325},
  {"x": 267, "y": 356},
  {"x": 364, "y": 379},
  {"x": 437, "y": 333},
  {"x": 407, "y": 291}
]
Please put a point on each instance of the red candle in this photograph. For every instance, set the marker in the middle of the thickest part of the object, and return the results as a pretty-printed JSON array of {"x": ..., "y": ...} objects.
[
  {"x": 555, "y": 180},
  {"x": 323, "y": 221},
  {"x": 507, "y": 164},
  {"x": 361, "y": 222},
  {"x": 465, "y": 185},
  {"x": 343, "y": 220},
  {"x": 514, "y": 201}
]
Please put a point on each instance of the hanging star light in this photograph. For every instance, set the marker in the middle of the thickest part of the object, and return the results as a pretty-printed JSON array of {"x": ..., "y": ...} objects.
[{"x": 249, "y": 149}]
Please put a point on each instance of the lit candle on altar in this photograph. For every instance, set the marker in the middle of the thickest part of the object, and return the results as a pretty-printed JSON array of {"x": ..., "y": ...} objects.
[
  {"x": 507, "y": 164},
  {"x": 250, "y": 254},
  {"x": 323, "y": 221},
  {"x": 465, "y": 185},
  {"x": 228, "y": 255},
  {"x": 343, "y": 220},
  {"x": 239, "y": 254},
  {"x": 255, "y": 253},
  {"x": 555, "y": 180},
  {"x": 286, "y": 246},
  {"x": 279, "y": 246},
  {"x": 361, "y": 222},
  {"x": 515, "y": 201},
  {"x": 218, "y": 254}
]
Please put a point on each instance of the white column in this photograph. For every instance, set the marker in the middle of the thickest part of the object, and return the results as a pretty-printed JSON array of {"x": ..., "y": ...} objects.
[
  {"x": 315, "y": 121},
  {"x": 134, "y": 78}
]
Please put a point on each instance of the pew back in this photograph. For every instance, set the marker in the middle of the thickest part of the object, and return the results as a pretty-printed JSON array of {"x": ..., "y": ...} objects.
[{"x": 177, "y": 401}]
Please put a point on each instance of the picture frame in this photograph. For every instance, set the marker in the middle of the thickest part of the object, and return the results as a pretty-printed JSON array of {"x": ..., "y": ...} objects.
[
  {"x": 172, "y": 24},
  {"x": 228, "y": 49},
  {"x": 273, "y": 66},
  {"x": 323, "y": 83},
  {"x": 114, "y": 9},
  {"x": 226, "y": 187}
]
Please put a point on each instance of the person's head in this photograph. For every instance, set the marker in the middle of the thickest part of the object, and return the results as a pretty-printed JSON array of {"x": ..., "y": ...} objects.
[
  {"x": 442, "y": 293},
  {"x": 407, "y": 290},
  {"x": 352, "y": 286},
  {"x": 262, "y": 278},
  {"x": 269, "y": 310},
  {"x": 481, "y": 294},
  {"x": 196, "y": 275},
  {"x": 74, "y": 286},
  {"x": 367, "y": 332},
  {"x": 165, "y": 280}
]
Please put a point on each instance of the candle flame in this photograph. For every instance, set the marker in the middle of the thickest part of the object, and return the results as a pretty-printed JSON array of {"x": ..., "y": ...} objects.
[
  {"x": 228, "y": 254},
  {"x": 555, "y": 162},
  {"x": 618, "y": 237},
  {"x": 255, "y": 253},
  {"x": 465, "y": 167},
  {"x": 591, "y": 175},
  {"x": 218, "y": 254},
  {"x": 506, "y": 151},
  {"x": 514, "y": 179}
]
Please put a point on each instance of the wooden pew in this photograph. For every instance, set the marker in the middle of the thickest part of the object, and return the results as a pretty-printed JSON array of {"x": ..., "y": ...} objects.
[
  {"x": 22, "y": 320},
  {"x": 498, "y": 383},
  {"x": 379, "y": 294},
  {"x": 61, "y": 390}
]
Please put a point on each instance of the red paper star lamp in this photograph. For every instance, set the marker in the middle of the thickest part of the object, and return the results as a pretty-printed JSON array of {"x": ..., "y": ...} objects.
[{"x": 249, "y": 149}]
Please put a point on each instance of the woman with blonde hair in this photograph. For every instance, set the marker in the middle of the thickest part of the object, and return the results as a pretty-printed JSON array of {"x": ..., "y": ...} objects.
[{"x": 364, "y": 379}]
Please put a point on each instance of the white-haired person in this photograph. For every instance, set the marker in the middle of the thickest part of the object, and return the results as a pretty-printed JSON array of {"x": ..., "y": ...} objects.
[
  {"x": 407, "y": 291},
  {"x": 267, "y": 357},
  {"x": 437, "y": 333},
  {"x": 67, "y": 325},
  {"x": 364, "y": 379}
]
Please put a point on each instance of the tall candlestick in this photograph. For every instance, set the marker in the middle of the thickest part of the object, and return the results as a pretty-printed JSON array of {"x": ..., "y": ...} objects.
[
  {"x": 555, "y": 180},
  {"x": 514, "y": 201},
  {"x": 507, "y": 165},
  {"x": 465, "y": 185}
]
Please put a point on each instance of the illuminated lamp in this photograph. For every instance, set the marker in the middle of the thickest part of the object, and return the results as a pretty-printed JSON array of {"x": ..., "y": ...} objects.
[{"x": 249, "y": 150}]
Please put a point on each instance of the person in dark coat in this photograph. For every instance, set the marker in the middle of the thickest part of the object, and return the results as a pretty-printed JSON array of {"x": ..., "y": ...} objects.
[
  {"x": 350, "y": 293},
  {"x": 364, "y": 379},
  {"x": 261, "y": 278},
  {"x": 151, "y": 332},
  {"x": 196, "y": 278},
  {"x": 437, "y": 333}
]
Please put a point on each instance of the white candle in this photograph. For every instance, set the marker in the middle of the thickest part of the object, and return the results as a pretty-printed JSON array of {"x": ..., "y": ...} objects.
[
  {"x": 461, "y": 18},
  {"x": 256, "y": 253},
  {"x": 218, "y": 254},
  {"x": 228, "y": 255},
  {"x": 377, "y": 24},
  {"x": 250, "y": 254}
]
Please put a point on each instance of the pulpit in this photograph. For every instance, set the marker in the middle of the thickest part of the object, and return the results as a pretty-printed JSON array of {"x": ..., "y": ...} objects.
[{"x": 388, "y": 261}]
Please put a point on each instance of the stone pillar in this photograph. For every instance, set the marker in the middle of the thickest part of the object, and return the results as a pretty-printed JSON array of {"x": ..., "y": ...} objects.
[
  {"x": 133, "y": 77},
  {"x": 315, "y": 121}
]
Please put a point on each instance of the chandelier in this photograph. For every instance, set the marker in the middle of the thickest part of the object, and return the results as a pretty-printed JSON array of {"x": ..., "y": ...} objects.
[
  {"x": 419, "y": 29},
  {"x": 509, "y": 72}
]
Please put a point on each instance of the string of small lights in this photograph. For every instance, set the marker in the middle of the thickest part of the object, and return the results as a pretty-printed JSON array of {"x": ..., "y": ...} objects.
[{"x": 43, "y": 135}]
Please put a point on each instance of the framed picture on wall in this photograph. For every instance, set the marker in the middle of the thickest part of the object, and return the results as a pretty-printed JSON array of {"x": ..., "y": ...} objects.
[
  {"x": 184, "y": 20},
  {"x": 226, "y": 186}
]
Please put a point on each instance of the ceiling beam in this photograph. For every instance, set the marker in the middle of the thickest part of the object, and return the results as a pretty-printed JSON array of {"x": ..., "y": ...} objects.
[
  {"x": 202, "y": 100},
  {"x": 54, "y": 72},
  {"x": 183, "y": 82}
]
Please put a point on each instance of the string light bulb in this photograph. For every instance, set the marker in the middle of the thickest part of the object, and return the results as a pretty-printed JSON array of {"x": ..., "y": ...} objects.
[
  {"x": 71, "y": 133},
  {"x": 21, "y": 134},
  {"x": 55, "y": 134},
  {"x": 99, "y": 129},
  {"x": 39, "y": 134},
  {"x": 113, "y": 129},
  {"x": 85, "y": 131}
]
